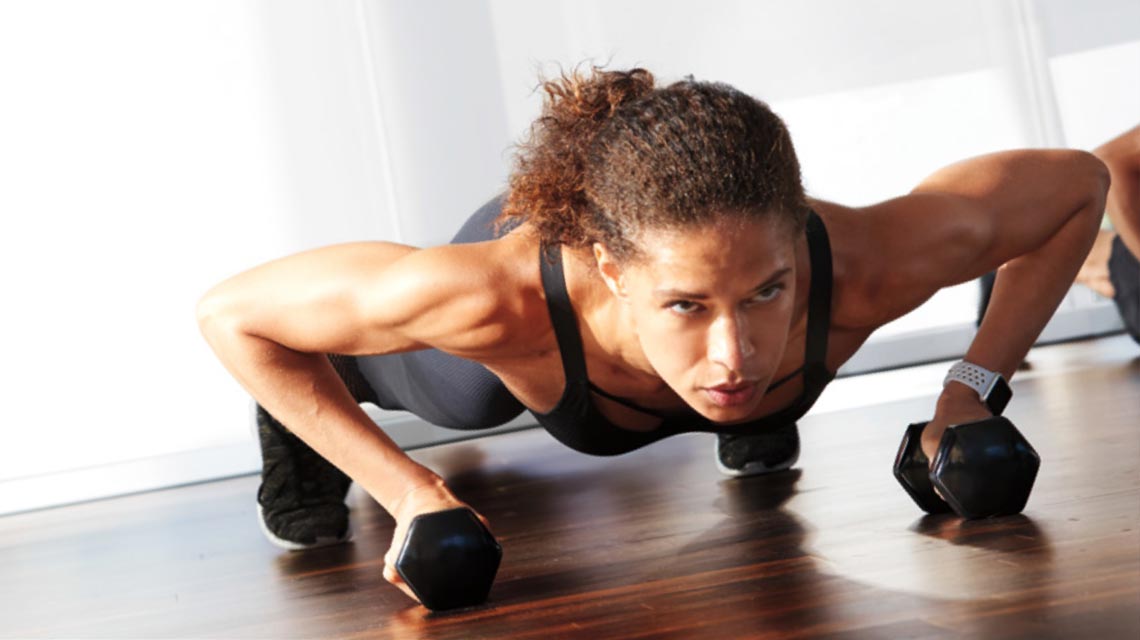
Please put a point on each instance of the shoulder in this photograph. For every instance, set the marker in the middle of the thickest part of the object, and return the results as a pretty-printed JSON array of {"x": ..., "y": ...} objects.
[
  {"x": 852, "y": 273},
  {"x": 890, "y": 257},
  {"x": 474, "y": 300}
]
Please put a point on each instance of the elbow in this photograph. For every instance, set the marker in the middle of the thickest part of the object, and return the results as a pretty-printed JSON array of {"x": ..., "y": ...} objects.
[
  {"x": 1098, "y": 176},
  {"x": 1091, "y": 179},
  {"x": 214, "y": 316},
  {"x": 1103, "y": 177}
]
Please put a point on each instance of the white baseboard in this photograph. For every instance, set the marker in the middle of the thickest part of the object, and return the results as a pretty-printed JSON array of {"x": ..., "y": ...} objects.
[
  {"x": 132, "y": 476},
  {"x": 951, "y": 343},
  {"x": 198, "y": 465}
]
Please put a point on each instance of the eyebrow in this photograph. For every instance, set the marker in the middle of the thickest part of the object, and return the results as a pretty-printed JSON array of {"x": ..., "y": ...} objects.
[{"x": 692, "y": 295}]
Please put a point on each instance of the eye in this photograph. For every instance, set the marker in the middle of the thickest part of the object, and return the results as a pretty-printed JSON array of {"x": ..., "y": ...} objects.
[
  {"x": 683, "y": 307},
  {"x": 768, "y": 294}
]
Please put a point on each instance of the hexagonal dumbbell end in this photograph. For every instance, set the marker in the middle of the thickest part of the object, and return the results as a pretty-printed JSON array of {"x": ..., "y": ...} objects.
[
  {"x": 985, "y": 468},
  {"x": 449, "y": 559},
  {"x": 912, "y": 470}
]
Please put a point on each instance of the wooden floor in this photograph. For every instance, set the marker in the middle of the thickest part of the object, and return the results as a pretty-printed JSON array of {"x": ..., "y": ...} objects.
[{"x": 655, "y": 544}]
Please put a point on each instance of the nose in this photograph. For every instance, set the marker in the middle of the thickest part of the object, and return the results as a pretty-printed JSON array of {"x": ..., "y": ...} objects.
[{"x": 729, "y": 342}]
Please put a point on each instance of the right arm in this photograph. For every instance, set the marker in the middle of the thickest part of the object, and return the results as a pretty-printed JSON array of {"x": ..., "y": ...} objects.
[{"x": 272, "y": 326}]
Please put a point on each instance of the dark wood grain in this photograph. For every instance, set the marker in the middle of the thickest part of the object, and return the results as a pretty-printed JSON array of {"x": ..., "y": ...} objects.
[{"x": 655, "y": 544}]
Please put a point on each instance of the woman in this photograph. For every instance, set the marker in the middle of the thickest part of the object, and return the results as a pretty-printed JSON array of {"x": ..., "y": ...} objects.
[{"x": 657, "y": 268}]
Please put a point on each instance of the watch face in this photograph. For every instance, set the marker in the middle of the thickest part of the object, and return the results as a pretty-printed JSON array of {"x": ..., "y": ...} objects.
[{"x": 999, "y": 396}]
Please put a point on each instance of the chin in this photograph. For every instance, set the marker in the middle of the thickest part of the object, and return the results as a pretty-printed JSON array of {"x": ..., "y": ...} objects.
[
  {"x": 735, "y": 417},
  {"x": 724, "y": 415}
]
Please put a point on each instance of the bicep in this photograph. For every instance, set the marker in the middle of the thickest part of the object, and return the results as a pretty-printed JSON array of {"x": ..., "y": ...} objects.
[{"x": 973, "y": 216}]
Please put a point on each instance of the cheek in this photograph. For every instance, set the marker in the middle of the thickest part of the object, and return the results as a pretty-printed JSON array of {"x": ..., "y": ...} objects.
[
  {"x": 673, "y": 351},
  {"x": 769, "y": 339}
]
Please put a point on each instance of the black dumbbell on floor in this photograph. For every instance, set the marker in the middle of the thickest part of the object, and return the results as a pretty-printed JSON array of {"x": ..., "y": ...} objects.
[
  {"x": 449, "y": 559},
  {"x": 982, "y": 469}
]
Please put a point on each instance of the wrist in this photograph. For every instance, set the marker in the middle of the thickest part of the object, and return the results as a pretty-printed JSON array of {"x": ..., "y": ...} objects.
[
  {"x": 428, "y": 485},
  {"x": 391, "y": 486},
  {"x": 957, "y": 396}
]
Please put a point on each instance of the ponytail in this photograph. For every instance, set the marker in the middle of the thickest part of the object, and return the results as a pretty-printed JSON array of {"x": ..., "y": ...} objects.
[{"x": 547, "y": 184}]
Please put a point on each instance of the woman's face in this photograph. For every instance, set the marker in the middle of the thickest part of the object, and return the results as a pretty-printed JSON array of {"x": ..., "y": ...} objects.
[{"x": 711, "y": 308}]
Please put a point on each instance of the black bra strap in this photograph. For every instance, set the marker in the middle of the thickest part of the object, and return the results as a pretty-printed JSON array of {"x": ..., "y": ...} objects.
[
  {"x": 562, "y": 314},
  {"x": 819, "y": 305},
  {"x": 772, "y": 386}
]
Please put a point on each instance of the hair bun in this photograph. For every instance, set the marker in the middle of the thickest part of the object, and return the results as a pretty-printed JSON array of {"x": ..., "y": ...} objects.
[
  {"x": 612, "y": 155},
  {"x": 547, "y": 185},
  {"x": 597, "y": 96}
]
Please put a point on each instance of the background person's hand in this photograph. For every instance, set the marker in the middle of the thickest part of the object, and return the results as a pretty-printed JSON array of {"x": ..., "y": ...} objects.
[
  {"x": 1094, "y": 272},
  {"x": 419, "y": 500}
]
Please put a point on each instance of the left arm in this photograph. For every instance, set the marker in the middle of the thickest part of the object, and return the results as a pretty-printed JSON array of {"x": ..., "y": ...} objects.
[{"x": 1032, "y": 215}]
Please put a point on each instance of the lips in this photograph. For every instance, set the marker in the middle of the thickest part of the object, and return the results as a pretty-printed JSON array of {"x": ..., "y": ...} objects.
[
  {"x": 729, "y": 388},
  {"x": 730, "y": 395}
]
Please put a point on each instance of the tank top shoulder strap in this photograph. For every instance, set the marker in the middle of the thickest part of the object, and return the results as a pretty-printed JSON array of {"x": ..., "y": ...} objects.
[
  {"x": 819, "y": 303},
  {"x": 562, "y": 314}
]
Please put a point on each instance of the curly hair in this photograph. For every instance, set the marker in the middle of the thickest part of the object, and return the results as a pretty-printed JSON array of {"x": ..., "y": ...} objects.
[{"x": 611, "y": 154}]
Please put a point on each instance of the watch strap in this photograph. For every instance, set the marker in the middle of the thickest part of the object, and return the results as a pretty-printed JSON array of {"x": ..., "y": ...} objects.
[{"x": 983, "y": 381}]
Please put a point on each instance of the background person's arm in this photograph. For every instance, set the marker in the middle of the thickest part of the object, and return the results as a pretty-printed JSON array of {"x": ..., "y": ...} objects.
[{"x": 1122, "y": 157}]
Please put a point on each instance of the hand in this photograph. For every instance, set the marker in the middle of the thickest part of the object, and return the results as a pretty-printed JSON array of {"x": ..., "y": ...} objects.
[
  {"x": 1094, "y": 272},
  {"x": 958, "y": 404},
  {"x": 427, "y": 498}
]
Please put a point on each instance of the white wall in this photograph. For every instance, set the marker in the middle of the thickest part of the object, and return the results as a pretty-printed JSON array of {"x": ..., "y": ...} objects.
[
  {"x": 140, "y": 162},
  {"x": 150, "y": 149}
]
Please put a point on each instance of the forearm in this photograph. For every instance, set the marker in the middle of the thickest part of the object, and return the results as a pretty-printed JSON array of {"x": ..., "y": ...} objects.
[
  {"x": 1027, "y": 291},
  {"x": 303, "y": 391},
  {"x": 1030, "y": 287}
]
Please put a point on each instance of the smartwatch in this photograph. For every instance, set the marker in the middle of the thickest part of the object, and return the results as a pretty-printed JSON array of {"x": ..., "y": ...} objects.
[{"x": 991, "y": 386}]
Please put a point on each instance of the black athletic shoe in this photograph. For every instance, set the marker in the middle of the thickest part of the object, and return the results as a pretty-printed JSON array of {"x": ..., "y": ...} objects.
[
  {"x": 301, "y": 498},
  {"x": 768, "y": 452}
]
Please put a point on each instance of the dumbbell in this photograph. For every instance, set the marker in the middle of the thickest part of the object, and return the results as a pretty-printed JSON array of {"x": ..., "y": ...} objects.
[
  {"x": 449, "y": 559},
  {"x": 982, "y": 469}
]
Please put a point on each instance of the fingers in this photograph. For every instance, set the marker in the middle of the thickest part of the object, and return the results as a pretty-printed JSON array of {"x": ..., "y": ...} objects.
[
  {"x": 486, "y": 522},
  {"x": 393, "y": 576},
  {"x": 1098, "y": 280},
  {"x": 929, "y": 445},
  {"x": 1104, "y": 287}
]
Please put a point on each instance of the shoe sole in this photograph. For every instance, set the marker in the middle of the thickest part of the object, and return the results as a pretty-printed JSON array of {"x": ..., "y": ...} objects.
[
  {"x": 290, "y": 545},
  {"x": 752, "y": 468},
  {"x": 282, "y": 543}
]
